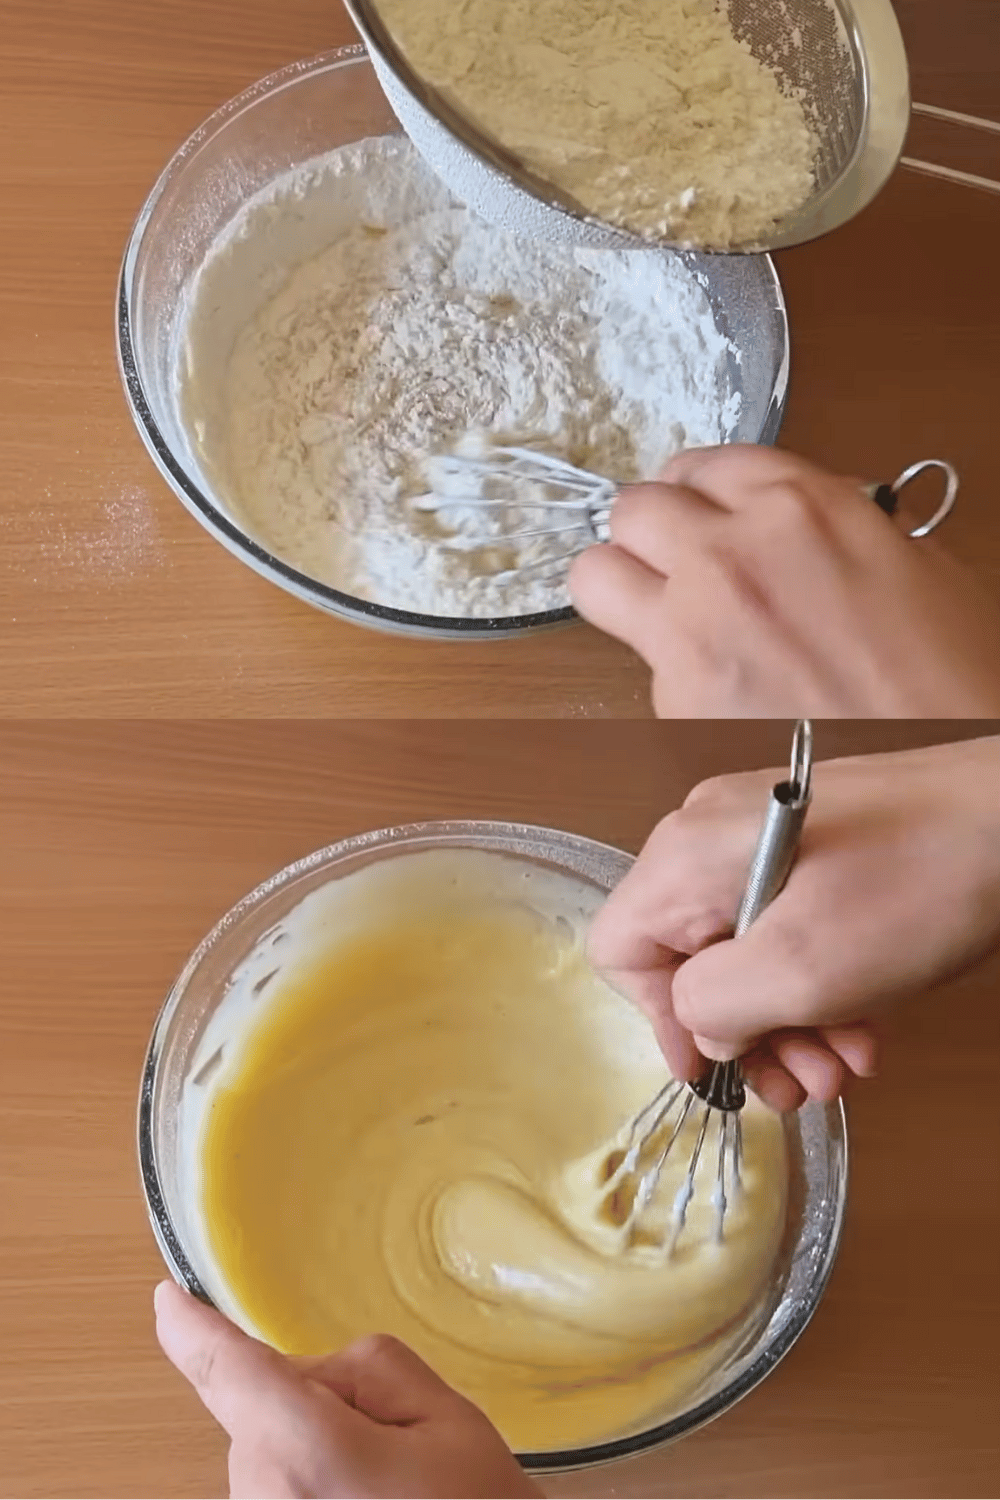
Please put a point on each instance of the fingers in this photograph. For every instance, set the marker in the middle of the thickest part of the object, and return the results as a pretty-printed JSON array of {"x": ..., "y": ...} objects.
[
  {"x": 791, "y": 1067},
  {"x": 677, "y": 1044},
  {"x": 458, "y": 1453},
  {"x": 683, "y": 890},
  {"x": 731, "y": 476},
  {"x": 386, "y": 1381},
  {"x": 856, "y": 1046},
  {"x": 815, "y": 1066},
  {"x": 679, "y": 895},
  {"x": 772, "y": 1082},
  {"x": 788, "y": 1069},
  {"x": 244, "y": 1384},
  {"x": 735, "y": 991},
  {"x": 615, "y": 591},
  {"x": 649, "y": 990},
  {"x": 618, "y": 586},
  {"x": 659, "y": 523},
  {"x": 622, "y": 936}
]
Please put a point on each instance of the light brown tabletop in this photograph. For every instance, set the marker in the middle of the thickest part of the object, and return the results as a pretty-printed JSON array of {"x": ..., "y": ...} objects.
[
  {"x": 114, "y": 601},
  {"x": 123, "y": 844}
]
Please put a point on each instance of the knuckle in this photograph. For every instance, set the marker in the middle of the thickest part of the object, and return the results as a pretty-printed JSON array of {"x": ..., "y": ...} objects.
[
  {"x": 666, "y": 848},
  {"x": 381, "y": 1347},
  {"x": 699, "y": 926},
  {"x": 635, "y": 503},
  {"x": 735, "y": 468},
  {"x": 710, "y": 793},
  {"x": 795, "y": 509},
  {"x": 735, "y": 570},
  {"x": 794, "y": 957},
  {"x": 200, "y": 1367},
  {"x": 603, "y": 940},
  {"x": 679, "y": 906},
  {"x": 640, "y": 519},
  {"x": 685, "y": 1002},
  {"x": 664, "y": 833},
  {"x": 588, "y": 572},
  {"x": 717, "y": 798}
]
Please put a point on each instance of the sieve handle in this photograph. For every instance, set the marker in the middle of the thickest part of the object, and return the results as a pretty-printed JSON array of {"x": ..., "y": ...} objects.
[{"x": 951, "y": 174}]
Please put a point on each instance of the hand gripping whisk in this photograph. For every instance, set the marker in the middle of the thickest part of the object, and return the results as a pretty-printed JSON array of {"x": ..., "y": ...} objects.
[
  {"x": 560, "y": 501},
  {"x": 646, "y": 1142}
]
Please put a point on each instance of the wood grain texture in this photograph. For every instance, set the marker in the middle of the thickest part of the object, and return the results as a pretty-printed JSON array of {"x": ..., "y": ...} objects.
[
  {"x": 114, "y": 602},
  {"x": 123, "y": 843}
]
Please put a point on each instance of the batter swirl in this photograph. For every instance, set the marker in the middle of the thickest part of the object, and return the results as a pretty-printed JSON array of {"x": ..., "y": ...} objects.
[{"x": 409, "y": 1138}]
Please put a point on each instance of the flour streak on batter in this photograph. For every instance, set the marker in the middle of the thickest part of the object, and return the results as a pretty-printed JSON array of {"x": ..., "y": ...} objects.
[{"x": 357, "y": 319}]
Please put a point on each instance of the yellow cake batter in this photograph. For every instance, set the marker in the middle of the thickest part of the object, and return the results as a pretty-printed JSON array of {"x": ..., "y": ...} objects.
[{"x": 408, "y": 1136}]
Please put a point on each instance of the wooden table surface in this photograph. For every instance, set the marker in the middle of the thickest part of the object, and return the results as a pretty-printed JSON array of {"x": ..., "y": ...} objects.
[
  {"x": 113, "y": 601},
  {"x": 124, "y": 843}
]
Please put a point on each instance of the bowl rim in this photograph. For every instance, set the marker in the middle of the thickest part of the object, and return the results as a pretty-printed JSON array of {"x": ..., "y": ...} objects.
[
  {"x": 407, "y": 837},
  {"x": 239, "y": 542}
]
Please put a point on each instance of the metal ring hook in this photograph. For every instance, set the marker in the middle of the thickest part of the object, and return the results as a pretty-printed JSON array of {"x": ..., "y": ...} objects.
[
  {"x": 950, "y": 494},
  {"x": 800, "y": 769}
]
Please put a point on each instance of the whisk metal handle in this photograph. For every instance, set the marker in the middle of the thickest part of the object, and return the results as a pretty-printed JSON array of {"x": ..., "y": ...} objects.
[
  {"x": 779, "y": 837},
  {"x": 722, "y": 1086}
]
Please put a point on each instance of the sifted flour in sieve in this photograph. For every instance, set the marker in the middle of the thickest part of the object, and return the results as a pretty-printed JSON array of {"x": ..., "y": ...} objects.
[
  {"x": 650, "y": 114},
  {"x": 356, "y": 319}
]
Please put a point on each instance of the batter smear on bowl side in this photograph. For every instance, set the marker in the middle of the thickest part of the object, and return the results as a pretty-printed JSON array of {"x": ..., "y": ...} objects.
[
  {"x": 402, "y": 1139},
  {"x": 356, "y": 319}
]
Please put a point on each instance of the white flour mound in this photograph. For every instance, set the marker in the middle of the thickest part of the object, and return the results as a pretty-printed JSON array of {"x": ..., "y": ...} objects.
[
  {"x": 651, "y": 114},
  {"x": 355, "y": 320}
]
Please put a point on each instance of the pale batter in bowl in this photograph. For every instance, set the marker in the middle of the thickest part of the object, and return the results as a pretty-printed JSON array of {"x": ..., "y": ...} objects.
[{"x": 394, "y": 1128}]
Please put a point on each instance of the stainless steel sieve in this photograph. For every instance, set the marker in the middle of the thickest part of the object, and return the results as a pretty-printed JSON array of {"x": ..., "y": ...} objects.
[{"x": 844, "y": 58}]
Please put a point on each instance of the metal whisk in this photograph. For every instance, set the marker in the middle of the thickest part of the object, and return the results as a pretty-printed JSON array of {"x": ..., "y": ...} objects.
[
  {"x": 575, "y": 504},
  {"x": 648, "y": 1139}
]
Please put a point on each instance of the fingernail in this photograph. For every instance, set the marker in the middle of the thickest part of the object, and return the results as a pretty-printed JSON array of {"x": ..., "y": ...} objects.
[
  {"x": 717, "y": 1051},
  {"x": 161, "y": 1291}
]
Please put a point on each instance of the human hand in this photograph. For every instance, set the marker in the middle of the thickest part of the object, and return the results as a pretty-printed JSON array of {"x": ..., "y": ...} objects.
[
  {"x": 896, "y": 888},
  {"x": 755, "y": 584},
  {"x": 373, "y": 1420}
]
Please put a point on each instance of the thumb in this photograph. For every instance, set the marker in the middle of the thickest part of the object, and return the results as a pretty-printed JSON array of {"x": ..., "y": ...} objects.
[
  {"x": 382, "y": 1378},
  {"x": 246, "y": 1385},
  {"x": 734, "y": 992}
]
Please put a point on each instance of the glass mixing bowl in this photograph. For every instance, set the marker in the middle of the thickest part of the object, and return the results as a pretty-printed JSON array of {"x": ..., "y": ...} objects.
[
  {"x": 817, "y": 1135},
  {"x": 301, "y": 112}
]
